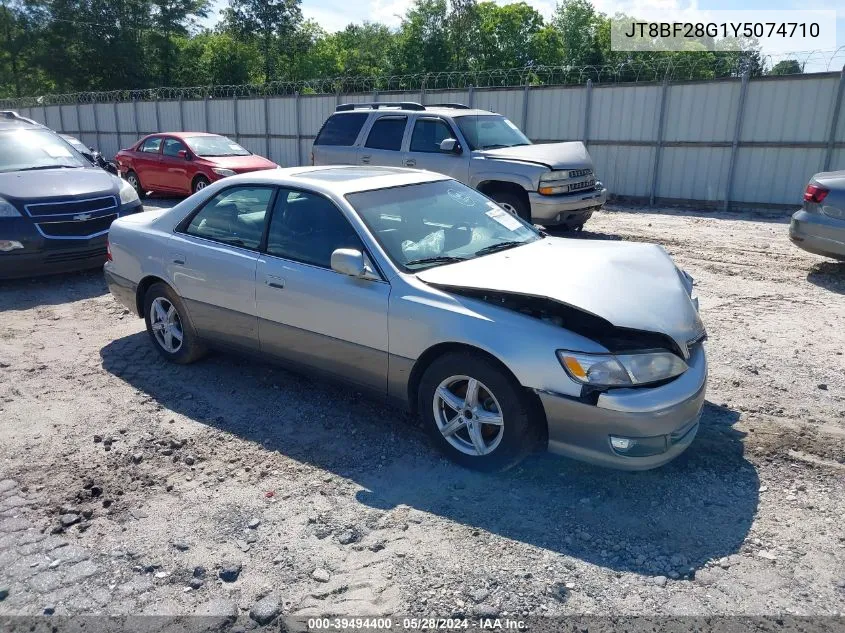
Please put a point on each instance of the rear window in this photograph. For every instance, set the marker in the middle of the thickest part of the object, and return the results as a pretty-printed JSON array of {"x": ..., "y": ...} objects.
[{"x": 341, "y": 129}]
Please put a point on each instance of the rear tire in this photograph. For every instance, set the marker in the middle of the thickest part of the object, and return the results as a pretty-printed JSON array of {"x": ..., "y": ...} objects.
[
  {"x": 135, "y": 183},
  {"x": 169, "y": 327},
  {"x": 513, "y": 204},
  {"x": 200, "y": 183},
  {"x": 488, "y": 425}
]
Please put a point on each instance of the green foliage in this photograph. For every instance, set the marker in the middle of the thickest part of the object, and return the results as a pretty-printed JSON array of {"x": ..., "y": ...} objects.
[
  {"x": 78, "y": 45},
  {"x": 787, "y": 67}
]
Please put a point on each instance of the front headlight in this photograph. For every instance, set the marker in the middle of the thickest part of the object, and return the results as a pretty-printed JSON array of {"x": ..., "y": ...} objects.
[
  {"x": 7, "y": 210},
  {"x": 223, "y": 172},
  {"x": 128, "y": 195},
  {"x": 619, "y": 370}
]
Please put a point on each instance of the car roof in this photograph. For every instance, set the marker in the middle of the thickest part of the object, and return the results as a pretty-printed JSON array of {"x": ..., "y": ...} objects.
[
  {"x": 340, "y": 179},
  {"x": 429, "y": 110},
  {"x": 11, "y": 120}
]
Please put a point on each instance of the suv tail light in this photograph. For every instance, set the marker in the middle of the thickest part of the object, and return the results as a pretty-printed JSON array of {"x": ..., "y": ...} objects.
[
  {"x": 108, "y": 250},
  {"x": 815, "y": 193}
]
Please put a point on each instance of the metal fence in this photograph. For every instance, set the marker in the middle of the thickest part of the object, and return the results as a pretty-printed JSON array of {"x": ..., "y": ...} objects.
[{"x": 736, "y": 142}]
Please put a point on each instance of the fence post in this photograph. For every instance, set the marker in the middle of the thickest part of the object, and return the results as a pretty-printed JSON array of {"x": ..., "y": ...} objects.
[
  {"x": 422, "y": 89},
  {"x": 743, "y": 90},
  {"x": 135, "y": 116},
  {"x": 181, "y": 114},
  {"x": 116, "y": 123},
  {"x": 834, "y": 121},
  {"x": 267, "y": 126},
  {"x": 44, "y": 111},
  {"x": 588, "y": 100},
  {"x": 235, "y": 116},
  {"x": 206, "y": 109},
  {"x": 61, "y": 119},
  {"x": 375, "y": 95},
  {"x": 78, "y": 121},
  {"x": 296, "y": 118},
  {"x": 525, "y": 94},
  {"x": 658, "y": 150},
  {"x": 158, "y": 115},
  {"x": 96, "y": 124},
  {"x": 471, "y": 97}
]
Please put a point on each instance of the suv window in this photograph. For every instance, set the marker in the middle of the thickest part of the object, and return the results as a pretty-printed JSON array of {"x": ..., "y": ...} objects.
[
  {"x": 151, "y": 145},
  {"x": 387, "y": 133},
  {"x": 341, "y": 129},
  {"x": 428, "y": 133},
  {"x": 172, "y": 147},
  {"x": 234, "y": 216},
  {"x": 308, "y": 228}
]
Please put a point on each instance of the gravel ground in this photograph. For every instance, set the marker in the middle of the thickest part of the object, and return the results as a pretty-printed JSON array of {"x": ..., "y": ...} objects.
[{"x": 131, "y": 486}]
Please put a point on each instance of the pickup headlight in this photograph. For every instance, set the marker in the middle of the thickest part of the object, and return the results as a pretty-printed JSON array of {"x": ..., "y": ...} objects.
[
  {"x": 621, "y": 370},
  {"x": 7, "y": 210},
  {"x": 223, "y": 172},
  {"x": 558, "y": 181},
  {"x": 128, "y": 195}
]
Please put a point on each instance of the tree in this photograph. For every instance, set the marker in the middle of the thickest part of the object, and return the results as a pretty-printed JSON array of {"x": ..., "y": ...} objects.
[
  {"x": 18, "y": 31},
  {"x": 423, "y": 38},
  {"x": 171, "y": 18},
  {"x": 581, "y": 27},
  {"x": 270, "y": 22},
  {"x": 787, "y": 67},
  {"x": 210, "y": 59}
]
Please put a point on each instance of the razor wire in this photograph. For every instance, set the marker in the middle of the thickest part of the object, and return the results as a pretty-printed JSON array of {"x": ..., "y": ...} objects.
[{"x": 687, "y": 68}]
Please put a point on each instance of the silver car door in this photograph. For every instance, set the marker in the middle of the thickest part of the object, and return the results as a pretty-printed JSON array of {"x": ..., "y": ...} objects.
[
  {"x": 383, "y": 142},
  {"x": 212, "y": 259},
  {"x": 424, "y": 149},
  {"x": 310, "y": 314}
]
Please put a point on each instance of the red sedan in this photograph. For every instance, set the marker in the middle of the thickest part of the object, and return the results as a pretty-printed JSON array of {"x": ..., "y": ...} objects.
[{"x": 184, "y": 162}]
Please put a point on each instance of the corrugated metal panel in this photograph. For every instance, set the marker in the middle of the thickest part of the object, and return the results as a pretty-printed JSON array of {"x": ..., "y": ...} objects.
[
  {"x": 693, "y": 173},
  {"x": 556, "y": 114},
  {"x": 194, "y": 114},
  {"x": 69, "y": 117},
  {"x": 251, "y": 116},
  {"x": 625, "y": 113},
  {"x": 624, "y": 170},
  {"x": 105, "y": 117},
  {"x": 109, "y": 144},
  {"x": 774, "y": 175},
  {"x": 254, "y": 145},
  {"x": 147, "y": 116},
  {"x": 505, "y": 102},
  {"x": 837, "y": 159},
  {"x": 788, "y": 109},
  {"x": 168, "y": 116},
  {"x": 840, "y": 127},
  {"x": 282, "y": 116},
  {"x": 701, "y": 112},
  {"x": 440, "y": 96},
  {"x": 86, "y": 116},
  {"x": 313, "y": 111},
  {"x": 126, "y": 119},
  {"x": 221, "y": 114},
  {"x": 283, "y": 152},
  {"x": 53, "y": 119}
]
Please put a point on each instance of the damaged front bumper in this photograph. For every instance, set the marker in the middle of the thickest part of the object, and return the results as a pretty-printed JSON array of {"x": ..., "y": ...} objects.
[
  {"x": 569, "y": 210},
  {"x": 662, "y": 421}
]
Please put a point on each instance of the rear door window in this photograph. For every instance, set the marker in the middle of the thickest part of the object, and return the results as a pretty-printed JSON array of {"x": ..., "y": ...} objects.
[
  {"x": 234, "y": 216},
  {"x": 341, "y": 129},
  {"x": 387, "y": 133}
]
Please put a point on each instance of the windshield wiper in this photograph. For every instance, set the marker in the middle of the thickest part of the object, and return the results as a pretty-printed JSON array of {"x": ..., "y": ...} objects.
[
  {"x": 39, "y": 167},
  {"x": 501, "y": 246},
  {"x": 439, "y": 259},
  {"x": 494, "y": 146}
]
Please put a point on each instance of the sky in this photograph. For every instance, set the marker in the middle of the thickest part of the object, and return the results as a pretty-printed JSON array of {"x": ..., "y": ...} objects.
[{"x": 334, "y": 15}]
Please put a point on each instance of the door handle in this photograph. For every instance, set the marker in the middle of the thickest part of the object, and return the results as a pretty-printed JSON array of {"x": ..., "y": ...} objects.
[
  {"x": 410, "y": 162},
  {"x": 178, "y": 258},
  {"x": 275, "y": 282},
  {"x": 365, "y": 160}
]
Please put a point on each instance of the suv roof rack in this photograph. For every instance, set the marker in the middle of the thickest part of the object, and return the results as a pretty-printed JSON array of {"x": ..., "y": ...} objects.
[
  {"x": 456, "y": 106},
  {"x": 375, "y": 105}
]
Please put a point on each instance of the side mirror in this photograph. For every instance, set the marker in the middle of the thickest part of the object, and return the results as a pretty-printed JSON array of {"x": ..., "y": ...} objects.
[
  {"x": 183, "y": 154},
  {"x": 450, "y": 146},
  {"x": 350, "y": 261}
]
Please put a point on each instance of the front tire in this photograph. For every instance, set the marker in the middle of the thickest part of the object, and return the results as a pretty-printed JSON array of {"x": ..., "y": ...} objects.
[
  {"x": 200, "y": 183},
  {"x": 513, "y": 204},
  {"x": 476, "y": 413},
  {"x": 168, "y": 326},
  {"x": 135, "y": 183}
]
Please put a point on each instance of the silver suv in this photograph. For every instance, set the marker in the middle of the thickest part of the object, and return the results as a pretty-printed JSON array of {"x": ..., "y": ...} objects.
[{"x": 549, "y": 184}]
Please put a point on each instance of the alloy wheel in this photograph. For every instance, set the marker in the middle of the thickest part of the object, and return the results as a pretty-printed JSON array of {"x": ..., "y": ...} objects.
[
  {"x": 468, "y": 415},
  {"x": 166, "y": 325}
]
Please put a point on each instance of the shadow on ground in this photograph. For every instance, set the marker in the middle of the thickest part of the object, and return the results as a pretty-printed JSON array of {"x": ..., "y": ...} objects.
[
  {"x": 760, "y": 215},
  {"x": 22, "y": 294},
  {"x": 697, "y": 508},
  {"x": 828, "y": 275}
]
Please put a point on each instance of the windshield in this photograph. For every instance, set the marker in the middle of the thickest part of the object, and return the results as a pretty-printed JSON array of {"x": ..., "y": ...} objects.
[
  {"x": 215, "y": 146},
  {"x": 36, "y": 149},
  {"x": 437, "y": 223},
  {"x": 490, "y": 132}
]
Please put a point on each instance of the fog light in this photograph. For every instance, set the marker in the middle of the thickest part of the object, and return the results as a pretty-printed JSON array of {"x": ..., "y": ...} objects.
[
  {"x": 9, "y": 245},
  {"x": 622, "y": 443},
  {"x": 638, "y": 447}
]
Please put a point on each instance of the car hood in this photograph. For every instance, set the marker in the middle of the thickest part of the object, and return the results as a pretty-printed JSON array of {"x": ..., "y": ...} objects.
[
  {"x": 240, "y": 164},
  {"x": 631, "y": 285},
  {"x": 571, "y": 155},
  {"x": 52, "y": 183}
]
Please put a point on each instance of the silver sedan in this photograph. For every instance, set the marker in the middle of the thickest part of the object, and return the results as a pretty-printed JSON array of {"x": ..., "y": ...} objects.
[{"x": 415, "y": 287}]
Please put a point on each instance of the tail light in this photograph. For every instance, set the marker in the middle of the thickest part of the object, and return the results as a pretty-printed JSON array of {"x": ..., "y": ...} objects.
[
  {"x": 816, "y": 194},
  {"x": 108, "y": 250}
]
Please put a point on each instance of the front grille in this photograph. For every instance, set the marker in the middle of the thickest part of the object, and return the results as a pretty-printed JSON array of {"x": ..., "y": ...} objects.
[
  {"x": 77, "y": 228},
  {"x": 72, "y": 207},
  {"x": 577, "y": 173},
  {"x": 581, "y": 186},
  {"x": 75, "y": 256}
]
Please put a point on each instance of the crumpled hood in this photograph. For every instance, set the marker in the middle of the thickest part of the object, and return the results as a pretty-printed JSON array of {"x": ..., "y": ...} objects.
[
  {"x": 31, "y": 186},
  {"x": 629, "y": 284},
  {"x": 241, "y": 164},
  {"x": 570, "y": 155}
]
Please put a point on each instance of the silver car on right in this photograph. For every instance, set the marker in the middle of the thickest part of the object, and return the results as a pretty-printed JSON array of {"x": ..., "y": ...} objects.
[{"x": 819, "y": 227}]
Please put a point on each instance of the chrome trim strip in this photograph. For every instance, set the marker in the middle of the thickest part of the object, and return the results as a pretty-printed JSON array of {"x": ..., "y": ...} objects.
[{"x": 27, "y": 207}]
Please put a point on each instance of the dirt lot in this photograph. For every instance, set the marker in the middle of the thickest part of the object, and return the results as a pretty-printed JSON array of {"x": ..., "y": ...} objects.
[{"x": 132, "y": 486}]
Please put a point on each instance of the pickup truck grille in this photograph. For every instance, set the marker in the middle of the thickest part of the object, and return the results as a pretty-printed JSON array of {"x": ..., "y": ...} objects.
[
  {"x": 577, "y": 173},
  {"x": 72, "y": 207},
  {"x": 584, "y": 184},
  {"x": 79, "y": 229}
]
